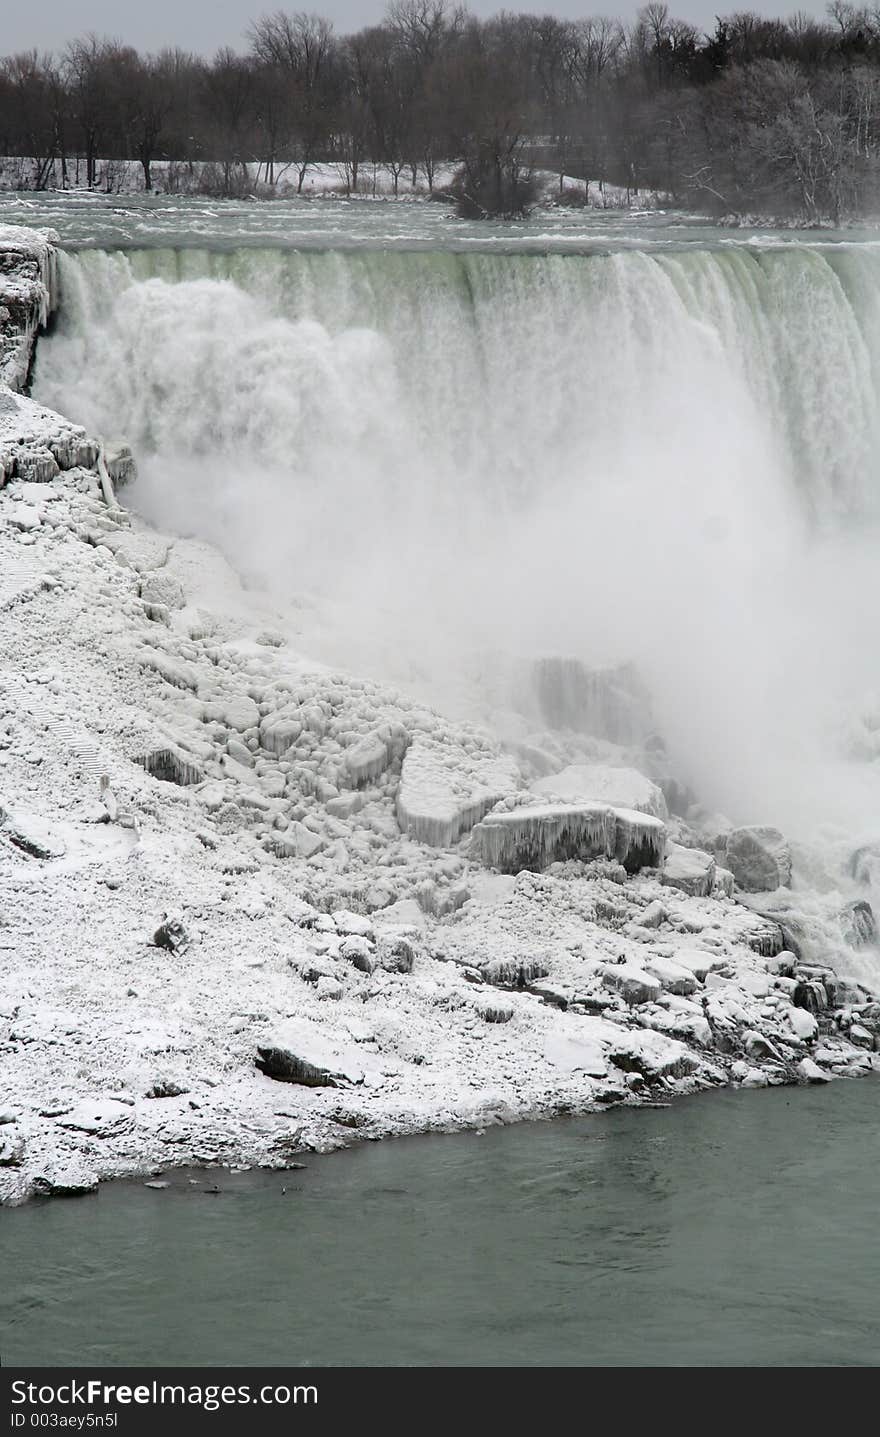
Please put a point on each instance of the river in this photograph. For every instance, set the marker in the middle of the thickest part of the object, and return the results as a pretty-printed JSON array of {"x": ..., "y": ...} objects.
[{"x": 732, "y": 1229}]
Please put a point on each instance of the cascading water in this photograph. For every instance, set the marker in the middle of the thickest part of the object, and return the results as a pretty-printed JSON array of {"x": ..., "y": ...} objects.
[{"x": 666, "y": 458}]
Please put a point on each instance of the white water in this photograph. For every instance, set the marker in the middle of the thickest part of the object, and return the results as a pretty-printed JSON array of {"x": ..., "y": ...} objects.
[{"x": 671, "y": 459}]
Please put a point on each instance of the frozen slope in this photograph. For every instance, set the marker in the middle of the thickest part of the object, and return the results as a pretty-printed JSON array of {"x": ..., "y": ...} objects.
[{"x": 218, "y": 946}]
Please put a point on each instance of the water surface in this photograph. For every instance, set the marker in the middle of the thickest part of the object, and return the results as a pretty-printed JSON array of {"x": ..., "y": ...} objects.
[{"x": 737, "y": 1228}]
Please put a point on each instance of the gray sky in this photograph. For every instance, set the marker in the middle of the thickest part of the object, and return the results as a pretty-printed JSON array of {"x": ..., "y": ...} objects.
[{"x": 203, "y": 25}]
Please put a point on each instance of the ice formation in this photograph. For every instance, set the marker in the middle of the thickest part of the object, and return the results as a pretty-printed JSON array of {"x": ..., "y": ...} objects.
[
  {"x": 447, "y": 786},
  {"x": 621, "y": 787},
  {"x": 534, "y": 836}
]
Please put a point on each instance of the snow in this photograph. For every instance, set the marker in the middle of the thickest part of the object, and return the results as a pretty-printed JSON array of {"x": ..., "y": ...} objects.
[
  {"x": 322, "y": 840},
  {"x": 619, "y": 787}
]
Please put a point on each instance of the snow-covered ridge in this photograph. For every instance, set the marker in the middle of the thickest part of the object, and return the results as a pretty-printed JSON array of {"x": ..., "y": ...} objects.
[{"x": 246, "y": 909}]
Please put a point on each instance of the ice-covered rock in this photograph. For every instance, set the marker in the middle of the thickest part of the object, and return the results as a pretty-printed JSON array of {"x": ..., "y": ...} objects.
[
  {"x": 295, "y": 841},
  {"x": 359, "y": 952},
  {"x": 372, "y": 755},
  {"x": 240, "y": 713},
  {"x": 675, "y": 977},
  {"x": 653, "y": 1055},
  {"x": 634, "y": 984},
  {"x": 397, "y": 953},
  {"x": 802, "y": 1023},
  {"x": 533, "y": 837},
  {"x": 302, "y": 1052},
  {"x": 30, "y": 834},
  {"x": 119, "y": 461},
  {"x": 602, "y": 783},
  {"x": 67, "y": 1177},
  {"x": 446, "y": 788},
  {"x": 27, "y": 297},
  {"x": 280, "y": 729},
  {"x": 100, "y": 1117},
  {"x": 639, "y": 839},
  {"x": 689, "y": 869},
  {"x": 759, "y": 857},
  {"x": 12, "y": 1148},
  {"x": 575, "y": 1055},
  {"x": 354, "y": 924}
]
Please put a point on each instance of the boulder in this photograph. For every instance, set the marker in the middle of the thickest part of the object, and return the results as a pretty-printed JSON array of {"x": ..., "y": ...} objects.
[
  {"x": 240, "y": 713},
  {"x": 72, "y": 450},
  {"x": 11, "y": 1148},
  {"x": 634, "y": 985},
  {"x": 300, "y": 1052},
  {"x": 396, "y": 954},
  {"x": 689, "y": 869},
  {"x": 802, "y": 1023},
  {"x": 759, "y": 858},
  {"x": 653, "y": 1055},
  {"x": 119, "y": 461},
  {"x": 674, "y": 977},
  {"x": 67, "y": 1177},
  {"x": 533, "y": 838},
  {"x": 360, "y": 953}
]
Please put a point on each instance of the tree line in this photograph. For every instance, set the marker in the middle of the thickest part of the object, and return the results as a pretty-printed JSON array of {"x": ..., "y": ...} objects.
[{"x": 780, "y": 117}]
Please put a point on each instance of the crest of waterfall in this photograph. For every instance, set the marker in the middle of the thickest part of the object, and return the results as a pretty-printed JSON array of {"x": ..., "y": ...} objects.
[{"x": 662, "y": 459}]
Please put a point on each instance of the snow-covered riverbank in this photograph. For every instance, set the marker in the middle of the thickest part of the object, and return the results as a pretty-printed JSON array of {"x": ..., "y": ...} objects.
[{"x": 251, "y": 906}]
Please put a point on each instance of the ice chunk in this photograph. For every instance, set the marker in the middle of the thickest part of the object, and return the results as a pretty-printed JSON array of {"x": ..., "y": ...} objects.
[
  {"x": 533, "y": 838},
  {"x": 601, "y": 783},
  {"x": 370, "y": 756},
  {"x": 445, "y": 788},
  {"x": 639, "y": 839}
]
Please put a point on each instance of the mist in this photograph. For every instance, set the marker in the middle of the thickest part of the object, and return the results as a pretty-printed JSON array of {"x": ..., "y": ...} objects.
[{"x": 447, "y": 466}]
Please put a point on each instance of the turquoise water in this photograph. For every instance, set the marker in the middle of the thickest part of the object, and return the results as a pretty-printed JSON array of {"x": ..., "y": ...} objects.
[{"x": 733, "y": 1229}]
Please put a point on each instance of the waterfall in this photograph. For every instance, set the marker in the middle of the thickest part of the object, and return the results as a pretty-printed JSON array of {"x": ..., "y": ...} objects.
[{"x": 661, "y": 458}]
